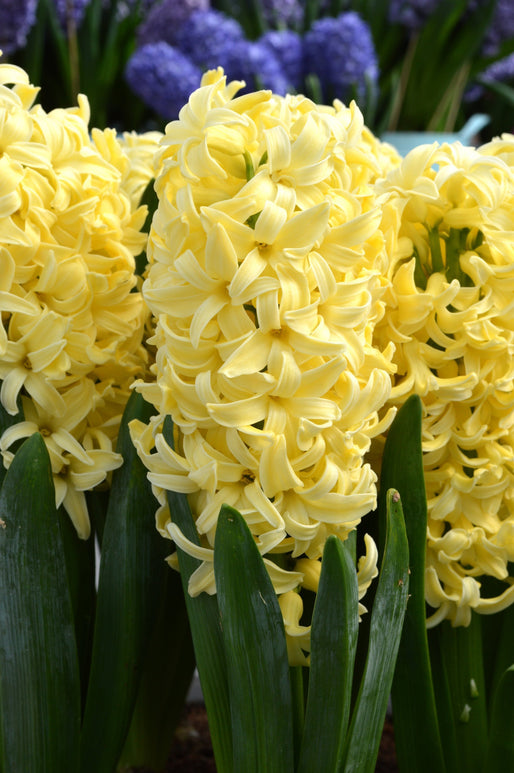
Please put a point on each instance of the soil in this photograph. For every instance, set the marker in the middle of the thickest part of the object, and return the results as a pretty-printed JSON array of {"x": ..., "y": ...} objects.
[{"x": 191, "y": 751}]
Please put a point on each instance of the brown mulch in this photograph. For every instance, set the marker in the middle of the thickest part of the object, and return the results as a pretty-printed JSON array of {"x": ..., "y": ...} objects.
[{"x": 191, "y": 751}]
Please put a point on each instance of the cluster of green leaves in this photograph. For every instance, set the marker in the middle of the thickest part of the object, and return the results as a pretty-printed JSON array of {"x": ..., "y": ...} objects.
[
  {"x": 424, "y": 75},
  {"x": 264, "y": 715},
  {"x": 453, "y": 689},
  {"x": 89, "y": 673},
  {"x": 94, "y": 675}
]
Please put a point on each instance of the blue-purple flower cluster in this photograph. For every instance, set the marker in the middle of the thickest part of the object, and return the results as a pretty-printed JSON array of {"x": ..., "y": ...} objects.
[
  {"x": 286, "y": 46},
  {"x": 341, "y": 53},
  {"x": 70, "y": 12},
  {"x": 501, "y": 27},
  {"x": 338, "y": 51},
  {"x": 208, "y": 39},
  {"x": 164, "y": 20},
  {"x": 164, "y": 81},
  {"x": 280, "y": 14},
  {"x": 18, "y": 17},
  {"x": 500, "y": 30},
  {"x": 411, "y": 13}
]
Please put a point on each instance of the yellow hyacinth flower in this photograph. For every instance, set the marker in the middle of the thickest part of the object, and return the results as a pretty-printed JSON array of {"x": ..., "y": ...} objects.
[
  {"x": 73, "y": 317},
  {"x": 265, "y": 280},
  {"x": 450, "y": 316}
]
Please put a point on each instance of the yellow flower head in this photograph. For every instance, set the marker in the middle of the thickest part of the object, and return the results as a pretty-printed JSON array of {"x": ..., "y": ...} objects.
[
  {"x": 265, "y": 279},
  {"x": 72, "y": 315},
  {"x": 450, "y": 315}
]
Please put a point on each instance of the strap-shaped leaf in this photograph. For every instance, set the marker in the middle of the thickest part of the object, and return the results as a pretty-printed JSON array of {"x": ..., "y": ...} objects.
[
  {"x": 255, "y": 644},
  {"x": 500, "y": 751},
  {"x": 132, "y": 573},
  {"x": 167, "y": 674},
  {"x": 417, "y": 738},
  {"x": 387, "y": 616},
  {"x": 39, "y": 682},
  {"x": 458, "y": 666},
  {"x": 334, "y": 634},
  {"x": 299, "y": 676},
  {"x": 80, "y": 568},
  {"x": 497, "y": 640},
  {"x": 204, "y": 619}
]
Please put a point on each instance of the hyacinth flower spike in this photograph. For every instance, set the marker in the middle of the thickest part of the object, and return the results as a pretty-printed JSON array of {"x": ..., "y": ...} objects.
[{"x": 263, "y": 280}]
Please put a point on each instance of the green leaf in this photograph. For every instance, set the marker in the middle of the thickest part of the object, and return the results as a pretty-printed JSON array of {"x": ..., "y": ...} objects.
[
  {"x": 417, "y": 735},
  {"x": 132, "y": 574},
  {"x": 39, "y": 684},
  {"x": 457, "y": 659},
  {"x": 334, "y": 634},
  {"x": 443, "y": 698},
  {"x": 504, "y": 652},
  {"x": 363, "y": 738},
  {"x": 255, "y": 644},
  {"x": 80, "y": 567},
  {"x": 448, "y": 47},
  {"x": 204, "y": 619},
  {"x": 299, "y": 676},
  {"x": 165, "y": 681},
  {"x": 500, "y": 751}
]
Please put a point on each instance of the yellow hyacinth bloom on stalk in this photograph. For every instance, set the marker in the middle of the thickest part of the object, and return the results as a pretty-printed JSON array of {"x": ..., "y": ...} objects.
[
  {"x": 451, "y": 317},
  {"x": 72, "y": 313},
  {"x": 266, "y": 262}
]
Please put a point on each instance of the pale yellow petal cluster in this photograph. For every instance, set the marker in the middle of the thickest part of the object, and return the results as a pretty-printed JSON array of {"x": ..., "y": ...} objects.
[
  {"x": 291, "y": 603},
  {"x": 71, "y": 311},
  {"x": 450, "y": 315},
  {"x": 266, "y": 280}
]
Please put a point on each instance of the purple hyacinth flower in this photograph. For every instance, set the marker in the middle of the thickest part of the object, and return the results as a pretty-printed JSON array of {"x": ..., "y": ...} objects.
[
  {"x": 500, "y": 71},
  {"x": 411, "y": 13},
  {"x": 341, "y": 53},
  {"x": 281, "y": 13},
  {"x": 208, "y": 38},
  {"x": 287, "y": 47},
  {"x": 18, "y": 17},
  {"x": 257, "y": 66},
  {"x": 164, "y": 20},
  {"x": 501, "y": 27},
  {"x": 70, "y": 12},
  {"x": 163, "y": 77}
]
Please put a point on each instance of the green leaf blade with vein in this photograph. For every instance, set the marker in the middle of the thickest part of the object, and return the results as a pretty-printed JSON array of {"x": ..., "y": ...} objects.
[
  {"x": 204, "y": 620},
  {"x": 333, "y": 645},
  {"x": 363, "y": 738},
  {"x": 417, "y": 735},
  {"x": 132, "y": 573},
  {"x": 39, "y": 682},
  {"x": 500, "y": 750},
  {"x": 255, "y": 644},
  {"x": 457, "y": 654}
]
